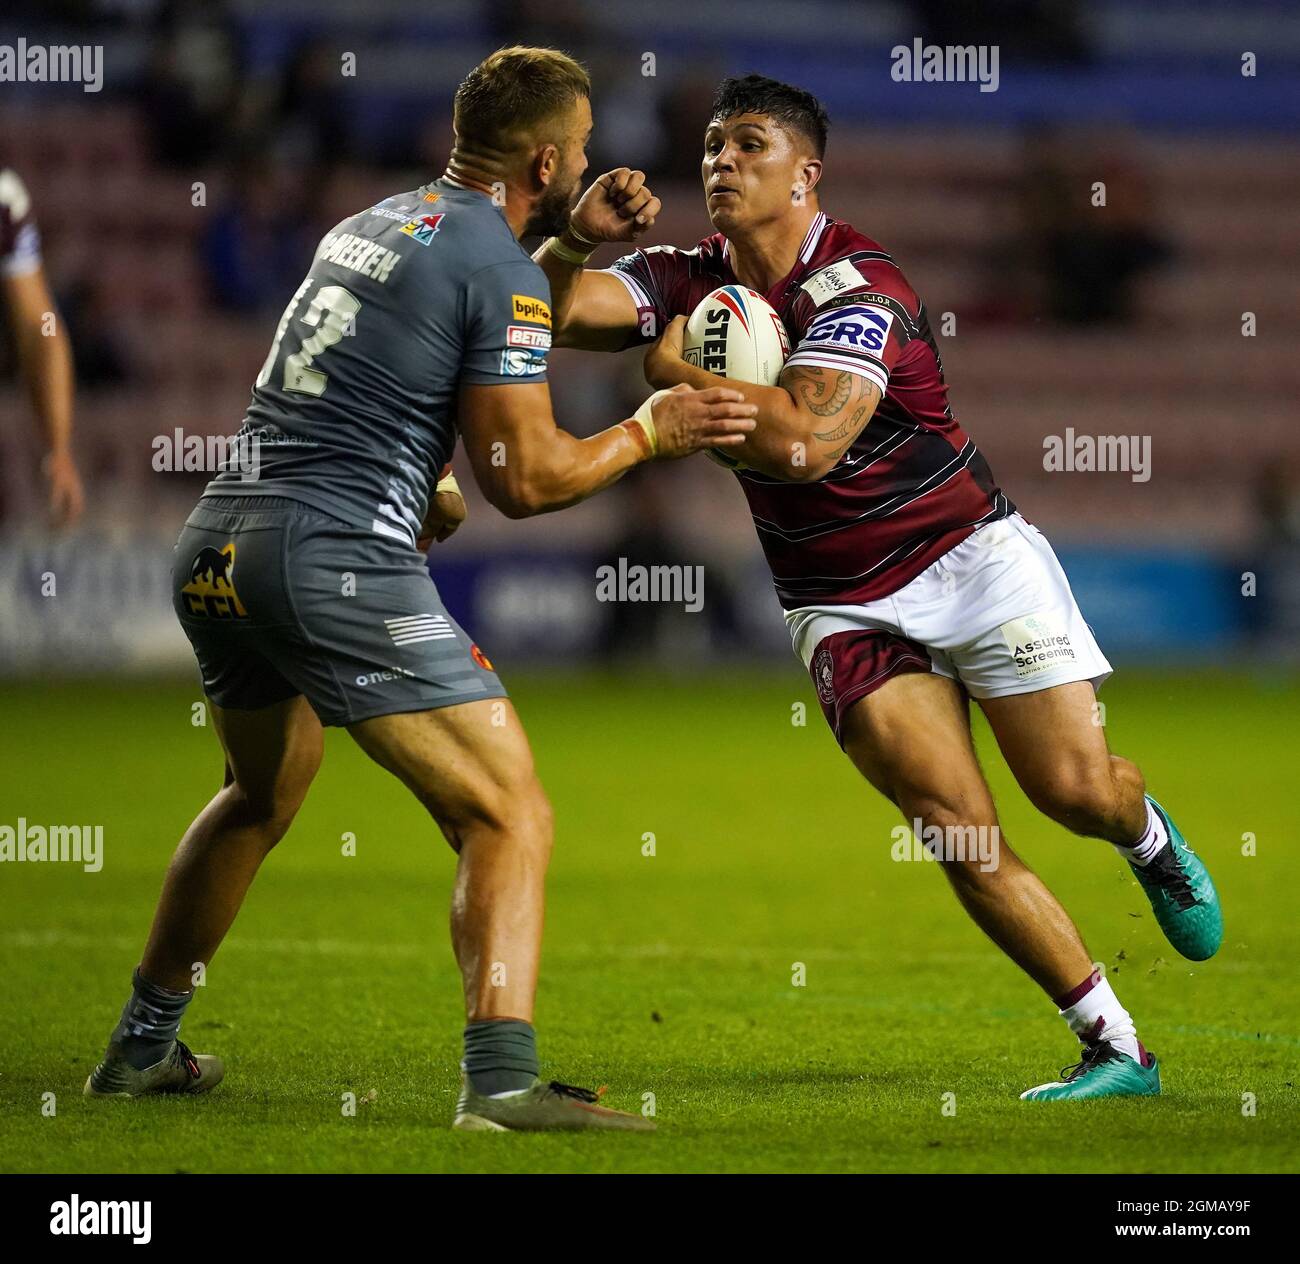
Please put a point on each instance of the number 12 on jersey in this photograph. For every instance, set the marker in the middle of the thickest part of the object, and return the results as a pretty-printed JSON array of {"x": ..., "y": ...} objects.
[{"x": 332, "y": 313}]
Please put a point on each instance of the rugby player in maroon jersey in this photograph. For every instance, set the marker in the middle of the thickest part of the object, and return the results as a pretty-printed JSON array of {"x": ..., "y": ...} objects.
[{"x": 910, "y": 582}]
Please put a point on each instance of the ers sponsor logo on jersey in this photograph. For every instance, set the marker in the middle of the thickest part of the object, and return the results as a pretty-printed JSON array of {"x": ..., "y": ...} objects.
[
  {"x": 913, "y": 484},
  {"x": 862, "y": 328}
]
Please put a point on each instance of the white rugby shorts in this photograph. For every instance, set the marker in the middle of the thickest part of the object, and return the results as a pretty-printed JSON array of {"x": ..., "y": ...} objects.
[{"x": 995, "y": 613}]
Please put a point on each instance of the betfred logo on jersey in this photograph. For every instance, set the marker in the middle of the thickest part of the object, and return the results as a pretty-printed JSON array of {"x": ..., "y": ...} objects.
[
  {"x": 528, "y": 336},
  {"x": 854, "y": 328},
  {"x": 529, "y": 308}
]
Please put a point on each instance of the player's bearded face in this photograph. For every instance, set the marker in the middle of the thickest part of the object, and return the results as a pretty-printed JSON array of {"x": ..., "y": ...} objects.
[{"x": 550, "y": 216}]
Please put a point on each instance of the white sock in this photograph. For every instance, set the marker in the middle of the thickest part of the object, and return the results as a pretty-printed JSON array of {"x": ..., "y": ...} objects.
[
  {"x": 1148, "y": 847},
  {"x": 1098, "y": 1015}
]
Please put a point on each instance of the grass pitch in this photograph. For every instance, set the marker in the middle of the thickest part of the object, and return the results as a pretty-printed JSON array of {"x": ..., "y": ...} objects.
[{"x": 669, "y": 974}]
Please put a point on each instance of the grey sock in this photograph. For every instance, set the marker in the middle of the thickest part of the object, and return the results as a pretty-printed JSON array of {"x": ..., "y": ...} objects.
[
  {"x": 150, "y": 1021},
  {"x": 500, "y": 1055}
]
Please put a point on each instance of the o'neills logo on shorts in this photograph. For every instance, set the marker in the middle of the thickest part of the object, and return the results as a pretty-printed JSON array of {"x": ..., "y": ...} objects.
[{"x": 823, "y": 674}]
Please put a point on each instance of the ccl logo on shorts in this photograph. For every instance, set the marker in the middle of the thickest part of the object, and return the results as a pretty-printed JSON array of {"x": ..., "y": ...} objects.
[{"x": 210, "y": 592}]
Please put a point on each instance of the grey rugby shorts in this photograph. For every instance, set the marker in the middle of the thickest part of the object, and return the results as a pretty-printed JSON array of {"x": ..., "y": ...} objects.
[{"x": 280, "y": 599}]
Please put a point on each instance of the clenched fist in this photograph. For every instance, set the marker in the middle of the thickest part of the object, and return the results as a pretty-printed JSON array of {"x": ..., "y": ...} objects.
[{"x": 617, "y": 207}]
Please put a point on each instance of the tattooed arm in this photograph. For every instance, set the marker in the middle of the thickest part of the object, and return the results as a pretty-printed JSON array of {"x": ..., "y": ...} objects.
[
  {"x": 805, "y": 423},
  {"x": 841, "y": 403}
]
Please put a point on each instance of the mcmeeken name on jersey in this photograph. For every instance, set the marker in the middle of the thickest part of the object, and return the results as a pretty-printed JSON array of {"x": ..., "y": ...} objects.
[{"x": 359, "y": 254}]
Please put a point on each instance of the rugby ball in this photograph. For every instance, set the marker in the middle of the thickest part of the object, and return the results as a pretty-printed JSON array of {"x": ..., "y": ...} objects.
[{"x": 736, "y": 333}]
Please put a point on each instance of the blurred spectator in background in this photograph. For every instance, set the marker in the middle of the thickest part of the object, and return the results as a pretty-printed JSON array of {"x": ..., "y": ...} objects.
[
  {"x": 1069, "y": 259},
  {"x": 307, "y": 122},
  {"x": 1023, "y": 30},
  {"x": 648, "y": 631},
  {"x": 88, "y": 312},
  {"x": 563, "y": 24},
  {"x": 260, "y": 238},
  {"x": 635, "y": 630},
  {"x": 1274, "y": 611},
  {"x": 191, "y": 87},
  {"x": 683, "y": 112},
  {"x": 41, "y": 344}
]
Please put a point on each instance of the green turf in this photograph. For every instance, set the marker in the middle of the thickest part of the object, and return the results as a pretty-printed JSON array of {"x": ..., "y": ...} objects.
[{"x": 668, "y": 975}]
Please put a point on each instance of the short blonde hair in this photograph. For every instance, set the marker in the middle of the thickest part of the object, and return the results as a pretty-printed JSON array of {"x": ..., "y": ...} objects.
[{"x": 503, "y": 99}]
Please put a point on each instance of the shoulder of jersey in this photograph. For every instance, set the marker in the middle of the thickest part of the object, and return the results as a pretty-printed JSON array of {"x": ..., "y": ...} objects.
[
  {"x": 847, "y": 262},
  {"x": 423, "y": 217},
  {"x": 702, "y": 258}
]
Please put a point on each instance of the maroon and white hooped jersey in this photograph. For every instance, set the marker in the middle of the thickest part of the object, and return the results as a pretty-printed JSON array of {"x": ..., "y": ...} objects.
[{"x": 912, "y": 485}]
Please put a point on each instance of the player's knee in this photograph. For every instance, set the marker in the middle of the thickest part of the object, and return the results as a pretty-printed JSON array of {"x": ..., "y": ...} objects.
[
  {"x": 960, "y": 831},
  {"x": 942, "y": 810},
  {"x": 1078, "y": 795},
  {"x": 266, "y": 813},
  {"x": 512, "y": 811}
]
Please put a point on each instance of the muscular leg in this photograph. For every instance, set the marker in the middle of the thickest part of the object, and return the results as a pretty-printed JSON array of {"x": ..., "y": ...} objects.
[
  {"x": 476, "y": 778},
  {"x": 1058, "y": 754},
  {"x": 911, "y": 739},
  {"x": 272, "y": 754}
]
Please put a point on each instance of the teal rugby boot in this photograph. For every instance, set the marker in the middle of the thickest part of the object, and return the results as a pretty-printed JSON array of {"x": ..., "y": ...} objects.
[
  {"x": 1103, "y": 1071},
  {"x": 1182, "y": 895}
]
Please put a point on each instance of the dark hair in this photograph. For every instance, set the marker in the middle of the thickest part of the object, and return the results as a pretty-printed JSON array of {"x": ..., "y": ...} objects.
[
  {"x": 509, "y": 93},
  {"x": 757, "y": 94}
]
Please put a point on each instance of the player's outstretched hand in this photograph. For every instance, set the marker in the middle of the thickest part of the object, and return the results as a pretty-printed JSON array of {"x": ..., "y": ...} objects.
[
  {"x": 687, "y": 420},
  {"x": 617, "y": 207}
]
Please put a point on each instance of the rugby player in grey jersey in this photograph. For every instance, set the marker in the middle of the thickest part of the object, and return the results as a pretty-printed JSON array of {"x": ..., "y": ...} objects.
[{"x": 300, "y": 584}]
